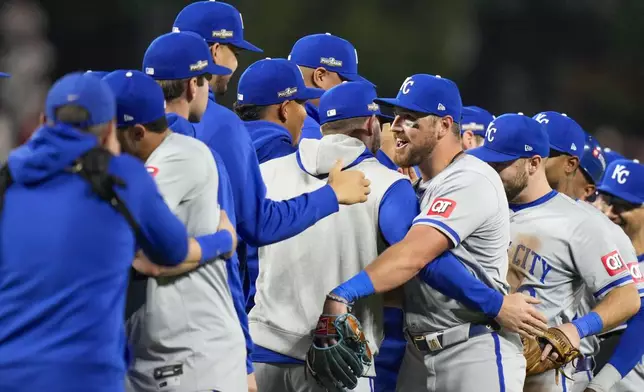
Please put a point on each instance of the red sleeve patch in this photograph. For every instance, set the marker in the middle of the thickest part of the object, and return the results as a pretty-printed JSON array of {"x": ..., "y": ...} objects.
[
  {"x": 636, "y": 272},
  {"x": 442, "y": 207},
  {"x": 613, "y": 263},
  {"x": 152, "y": 170}
]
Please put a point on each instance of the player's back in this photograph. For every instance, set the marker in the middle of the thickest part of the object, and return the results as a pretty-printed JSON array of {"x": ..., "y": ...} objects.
[
  {"x": 296, "y": 274},
  {"x": 559, "y": 249},
  {"x": 475, "y": 218},
  {"x": 189, "y": 320},
  {"x": 65, "y": 257}
]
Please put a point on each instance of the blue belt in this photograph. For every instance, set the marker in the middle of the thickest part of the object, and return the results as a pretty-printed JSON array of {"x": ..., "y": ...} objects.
[
  {"x": 434, "y": 342},
  {"x": 585, "y": 364}
]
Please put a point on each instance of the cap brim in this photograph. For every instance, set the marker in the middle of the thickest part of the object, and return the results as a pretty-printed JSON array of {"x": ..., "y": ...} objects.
[
  {"x": 621, "y": 195},
  {"x": 245, "y": 45},
  {"x": 394, "y": 102},
  {"x": 4, "y": 75},
  {"x": 215, "y": 69},
  {"x": 355, "y": 78},
  {"x": 487, "y": 155},
  {"x": 384, "y": 118},
  {"x": 309, "y": 93}
]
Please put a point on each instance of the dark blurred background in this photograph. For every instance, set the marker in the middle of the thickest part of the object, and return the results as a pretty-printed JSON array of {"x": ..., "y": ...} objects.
[{"x": 583, "y": 57}]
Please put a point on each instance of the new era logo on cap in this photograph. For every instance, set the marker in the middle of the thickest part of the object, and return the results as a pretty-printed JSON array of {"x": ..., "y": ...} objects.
[
  {"x": 441, "y": 107},
  {"x": 573, "y": 147},
  {"x": 127, "y": 117},
  {"x": 528, "y": 148}
]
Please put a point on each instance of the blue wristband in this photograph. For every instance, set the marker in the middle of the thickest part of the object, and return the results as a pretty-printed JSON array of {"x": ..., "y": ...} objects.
[
  {"x": 215, "y": 245},
  {"x": 590, "y": 324},
  {"x": 355, "y": 288}
]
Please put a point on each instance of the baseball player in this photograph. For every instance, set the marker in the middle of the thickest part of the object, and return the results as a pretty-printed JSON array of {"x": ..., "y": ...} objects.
[
  {"x": 583, "y": 170},
  {"x": 474, "y": 122},
  {"x": 447, "y": 342},
  {"x": 621, "y": 191},
  {"x": 557, "y": 247},
  {"x": 326, "y": 61},
  {"x": 203, "y": 349}
]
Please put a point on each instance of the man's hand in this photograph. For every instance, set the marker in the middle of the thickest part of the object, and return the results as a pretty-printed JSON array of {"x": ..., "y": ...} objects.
[
  {"x": 409, "y": 172},
  {"x": 225, "y": 224},
  {"x": 350, "y": 186},
  {"x": 252, "y": 383},
  {"x": 571, "y": 333},
  {"x": 332, "y": 308},
  {"x": 143, "y": 265},
  {"x": 518, "y": 315}
]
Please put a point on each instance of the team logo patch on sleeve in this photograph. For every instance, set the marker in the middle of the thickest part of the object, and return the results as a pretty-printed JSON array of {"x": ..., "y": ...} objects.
[
  {"x": 613, "y": 263},
  {"x": 152, "y": 170},
  {"x": 442, "y": 207},
  {"x": 636, "y": 272}
]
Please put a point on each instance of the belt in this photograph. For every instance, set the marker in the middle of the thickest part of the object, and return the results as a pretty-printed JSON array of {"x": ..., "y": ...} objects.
[
  {"x": 585, "y": 364},
  {"x": 438, "y": 341}
]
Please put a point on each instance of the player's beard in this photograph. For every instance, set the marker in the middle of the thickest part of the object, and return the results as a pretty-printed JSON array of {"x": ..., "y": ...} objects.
[
  {"x": 220, "y": 85},
  {"x": 516, "y": 185},
  {"x": 413, "y": 154}
]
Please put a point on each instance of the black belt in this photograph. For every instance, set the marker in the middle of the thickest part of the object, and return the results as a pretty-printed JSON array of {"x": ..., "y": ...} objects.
[{"x": 434, "y": 342}]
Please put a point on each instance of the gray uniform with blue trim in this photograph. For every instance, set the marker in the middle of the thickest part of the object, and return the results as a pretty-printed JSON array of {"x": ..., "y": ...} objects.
[
  {"x": 560, "y": 250},
  {"x": 467, "y": 203}
]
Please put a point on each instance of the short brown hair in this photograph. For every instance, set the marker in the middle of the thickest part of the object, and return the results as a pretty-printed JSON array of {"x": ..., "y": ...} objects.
[
  {"x": 173, "y": 89},
  {"x": 345, "y": 126},
  {"x": 77, "y": 116}
]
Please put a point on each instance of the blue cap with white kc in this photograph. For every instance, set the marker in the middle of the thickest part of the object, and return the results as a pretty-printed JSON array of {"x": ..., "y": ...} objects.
[
  {"x": 330, "y": 52},
  {"x": 592, "y": 160},
  {"x": 85, "y": 91},
  {"x": 428, "y": 94},
  {"x": 180, "y": 55},
  {"x": 215, "y": 22},
  {"x": 475, "y": 120},
  {"x": 139, "y": 99},
  {"x": 612, "y": 155},
  {"x": 624, "y": 179},
  {"x": 565, "y": 134},
  {"x": 513, "y": 136},
  {"x": 273, "y": 81},
  {"x": 348, "y": 100}
]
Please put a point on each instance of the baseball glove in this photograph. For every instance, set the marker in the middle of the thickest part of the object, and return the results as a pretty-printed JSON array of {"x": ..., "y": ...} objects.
[
  {"x": 532, "y": 350},
  {"x": 345, "y": 357}
]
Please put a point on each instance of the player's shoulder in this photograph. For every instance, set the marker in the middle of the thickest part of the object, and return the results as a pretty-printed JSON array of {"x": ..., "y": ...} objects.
[
  {"x": 186, "y": 151},
  {"x": 132, "y": 170},
  {"x": 471, "y": 172}
]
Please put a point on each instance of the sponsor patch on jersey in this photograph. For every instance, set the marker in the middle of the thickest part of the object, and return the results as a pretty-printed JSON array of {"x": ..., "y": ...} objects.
[
  {"x": 635, "y": 272},
  {"x": 153, "y": 170},
  {"x": 614, "y": 263},
  {"x": 442, "y": 207}
]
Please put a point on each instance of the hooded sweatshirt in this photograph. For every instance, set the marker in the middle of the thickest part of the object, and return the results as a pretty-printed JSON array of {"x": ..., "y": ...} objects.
[
  {"x": 65, "y": 257},
  {"x": 225, "y": 196},
  {"x": 288, "y": 299}
]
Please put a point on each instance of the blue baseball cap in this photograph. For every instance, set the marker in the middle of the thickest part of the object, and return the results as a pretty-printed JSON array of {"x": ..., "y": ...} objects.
[
  {"x": 592, "y": 160},
  {"x": 214, "y": 22},
  {"x": 348, "y": 100},
  {"x": 333, "y": 53},
  {"x": 475, "y": 120},
  {"x": 98, "y": 74},
  {"x": 85, "y": 91},
  {"x": 624, "y": 179},
  {"x": 139, "y": 99},
  {"x": 565, "y": 134},
  {"x": 4, "y": 75},
  {"x": 428, "y": 94},
  {"x": 612, "y": 155},
  {"x": 180, "y": 55},
  {"x": 273, "y": 81},
  {"x": 513, "y": 136}
]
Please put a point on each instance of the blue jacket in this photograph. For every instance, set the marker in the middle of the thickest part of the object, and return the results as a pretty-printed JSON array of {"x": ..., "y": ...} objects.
[
  {"x": 65, "y": 257},
  {"x": 311, "y": 128},
  {"x": 225, "y": 195},
  {"x": 270, "y": 141}
]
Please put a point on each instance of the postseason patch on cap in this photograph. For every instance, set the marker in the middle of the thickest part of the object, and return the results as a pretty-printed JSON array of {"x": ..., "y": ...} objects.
[
  {"x": 223, "y": 34},
  {"x": 287, "y": 93},
  {"x": 199, "y": 65},
  {"x": 331, "y": 62},
  {"x": 374, "y": 107}
]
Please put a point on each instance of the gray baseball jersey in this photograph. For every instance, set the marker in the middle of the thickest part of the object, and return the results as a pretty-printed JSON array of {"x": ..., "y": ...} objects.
[
  {"x": 467, "y": 203},
  {"x": 187, "y": 336}
]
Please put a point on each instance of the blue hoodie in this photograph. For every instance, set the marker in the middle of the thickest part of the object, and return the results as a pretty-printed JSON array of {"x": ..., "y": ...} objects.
[
  {"x": 225, "y": 196},
  {"x": 65, "y": 258}
]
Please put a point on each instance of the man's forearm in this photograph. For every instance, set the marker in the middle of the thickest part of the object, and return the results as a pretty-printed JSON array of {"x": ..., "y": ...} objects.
[
  {"x": 618, "y": 306},
  {"x": 201, "y": 250}
]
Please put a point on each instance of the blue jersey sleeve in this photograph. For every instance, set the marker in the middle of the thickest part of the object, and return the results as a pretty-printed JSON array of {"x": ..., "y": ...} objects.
[
  {"x": 630, "y": 349},
  {"x": 162, "y": 236},
  {"x": 261, "y": 221},
  {"x": 398, "y": 208}
]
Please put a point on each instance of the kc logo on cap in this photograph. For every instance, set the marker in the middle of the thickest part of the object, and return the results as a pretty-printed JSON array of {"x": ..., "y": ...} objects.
[{"x": 620, "y": 174}]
